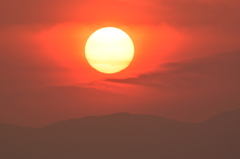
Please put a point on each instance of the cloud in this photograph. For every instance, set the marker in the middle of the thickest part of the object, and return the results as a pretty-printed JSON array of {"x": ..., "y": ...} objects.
[
  {"x": 174, "y": 12},
  {"x": 198, "y": 13},
  {"x": 38, "y": 11},
  {"x": 216, "y": 69},
  {"x": 52, "y": 11}
]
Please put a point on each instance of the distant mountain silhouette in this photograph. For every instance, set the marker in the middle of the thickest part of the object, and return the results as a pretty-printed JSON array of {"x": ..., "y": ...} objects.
[{"x": 125, "y": 136}]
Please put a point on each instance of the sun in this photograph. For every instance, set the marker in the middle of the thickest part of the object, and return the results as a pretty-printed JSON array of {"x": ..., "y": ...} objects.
[{"x": 109, "y": 50}]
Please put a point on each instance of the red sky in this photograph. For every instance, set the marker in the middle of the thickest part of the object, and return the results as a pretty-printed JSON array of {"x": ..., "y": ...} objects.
[{"x": 186, "y": 64}]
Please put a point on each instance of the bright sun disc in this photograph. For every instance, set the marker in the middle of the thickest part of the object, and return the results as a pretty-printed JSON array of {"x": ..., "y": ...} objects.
[{"x": 109, "y": 50}]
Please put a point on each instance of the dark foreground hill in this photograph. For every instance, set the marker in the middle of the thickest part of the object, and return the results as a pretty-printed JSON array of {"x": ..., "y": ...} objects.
[{"x": 125, "y": 136}]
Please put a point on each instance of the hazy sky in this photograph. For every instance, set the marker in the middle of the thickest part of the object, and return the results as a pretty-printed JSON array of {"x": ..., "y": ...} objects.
[{"x": 186, "y": 64}]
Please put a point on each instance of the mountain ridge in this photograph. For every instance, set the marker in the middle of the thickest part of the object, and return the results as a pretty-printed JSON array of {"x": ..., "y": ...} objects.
[
  {"x": 125, "y": 135},
  {"x": 237, "y": 111}
]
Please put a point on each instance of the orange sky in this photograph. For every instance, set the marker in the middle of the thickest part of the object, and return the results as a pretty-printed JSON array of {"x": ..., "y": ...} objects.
[{"x": 185, "y": 66}]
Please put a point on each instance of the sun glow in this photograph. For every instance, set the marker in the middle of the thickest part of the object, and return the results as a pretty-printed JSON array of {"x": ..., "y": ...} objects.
[{"x": 109, "y": 50}]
